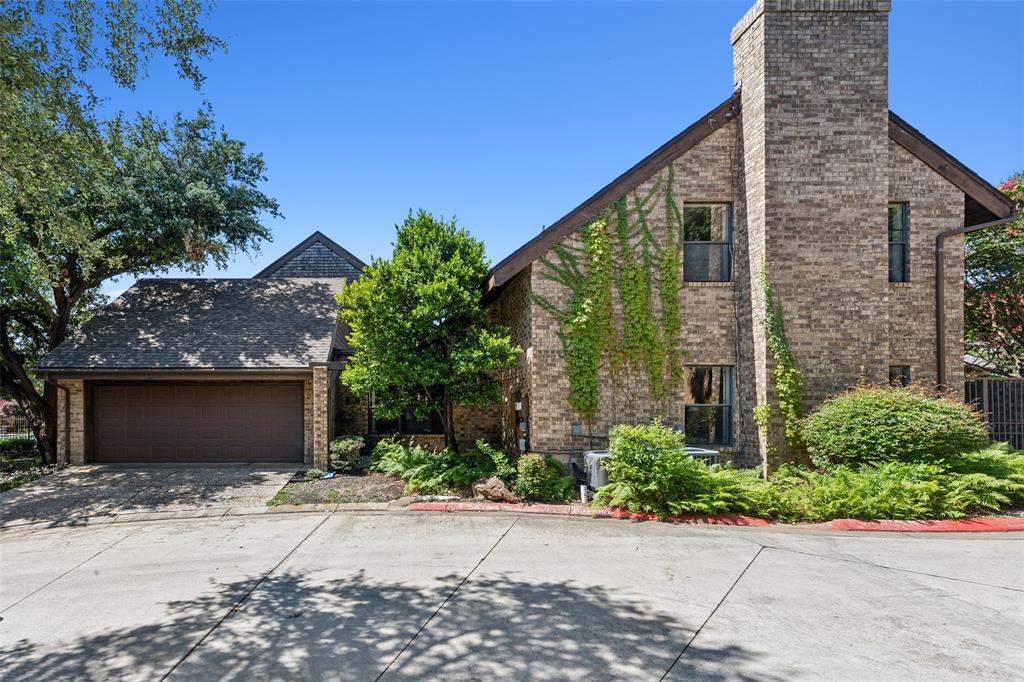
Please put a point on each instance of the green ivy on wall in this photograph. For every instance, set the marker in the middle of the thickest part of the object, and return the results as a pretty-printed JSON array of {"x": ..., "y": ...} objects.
[
  {"x": 631, "y": 261},
  {"x": 789, "y": 381}
]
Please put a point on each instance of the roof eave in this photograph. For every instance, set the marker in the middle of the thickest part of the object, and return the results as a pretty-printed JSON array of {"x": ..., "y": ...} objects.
[
  {"x": 949, "y": 167},
  {"x": 620, "y": 186}
]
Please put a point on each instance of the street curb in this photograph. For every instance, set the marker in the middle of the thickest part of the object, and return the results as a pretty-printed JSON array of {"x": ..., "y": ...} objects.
[
  {"x": 208, "y": 513},
  {"x": 980, "y": 524},
  {"x": 592, "y": 512},
  {"x": 983, "y": 524}
]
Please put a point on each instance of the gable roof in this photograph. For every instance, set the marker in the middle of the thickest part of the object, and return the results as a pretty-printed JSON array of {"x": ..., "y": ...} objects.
[
  {"x": 315, "y": 256},
  {"x": 207, "y": 324},
  {"x": 983, "y": 202},
  {"x": 620, "y": 186}
]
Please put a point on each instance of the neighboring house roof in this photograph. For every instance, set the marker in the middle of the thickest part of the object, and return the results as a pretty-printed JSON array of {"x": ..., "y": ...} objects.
[
  {"x": 983, "y": 202},
  {"x": 316, "y": 256},
  {"x": 176, "y": 324},
  {"x": 976, "y": 363}
]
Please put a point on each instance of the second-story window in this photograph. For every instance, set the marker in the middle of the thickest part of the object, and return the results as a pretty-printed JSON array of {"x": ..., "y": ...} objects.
[
  {"x": 898, "y": 271},
  {"x": 707, "y": 237}
]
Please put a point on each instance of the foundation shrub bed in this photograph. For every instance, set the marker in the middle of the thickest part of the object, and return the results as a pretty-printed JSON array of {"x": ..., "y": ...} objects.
[
  {"x": 539, "y": 478},
  {"x": 345, "y": 454},
  {"x": 649, "y": 471},
  {"x": 532, "y": 477},
  {"x": 881, "y": 424},
  {"x": 441, "y": 472}
]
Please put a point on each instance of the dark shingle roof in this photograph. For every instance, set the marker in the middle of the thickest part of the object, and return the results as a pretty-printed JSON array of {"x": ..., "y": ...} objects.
[
  {"x": 315, "y": 256},
  {"x": 317, "y": 261},
  {"x": 207, "y": 324}
]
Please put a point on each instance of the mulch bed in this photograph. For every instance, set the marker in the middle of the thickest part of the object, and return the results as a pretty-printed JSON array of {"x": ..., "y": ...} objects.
[{"x": 369, "y": 487}]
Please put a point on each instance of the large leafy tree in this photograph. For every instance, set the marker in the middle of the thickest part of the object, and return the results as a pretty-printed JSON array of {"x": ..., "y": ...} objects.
[
  {"x": 994, "y": 289},
  {"x": 418, "y": 329},
  {"x": 83, "y": 200}
]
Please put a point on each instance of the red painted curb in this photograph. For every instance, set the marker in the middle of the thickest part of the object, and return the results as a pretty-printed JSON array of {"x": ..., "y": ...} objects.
[
  {"x": 985, "y": 524},
  {"x": 580, "y": 510}
]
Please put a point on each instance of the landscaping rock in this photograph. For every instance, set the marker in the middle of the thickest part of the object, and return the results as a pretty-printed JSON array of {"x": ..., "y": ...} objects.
[{"x": 492, "y": 489}]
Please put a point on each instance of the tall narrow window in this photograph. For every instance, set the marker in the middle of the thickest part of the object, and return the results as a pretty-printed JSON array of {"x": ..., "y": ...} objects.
[
  {"x": 708, "y": 405},
  {"x": 707, "y": 237},
  {"x": 898, "y": 243}
]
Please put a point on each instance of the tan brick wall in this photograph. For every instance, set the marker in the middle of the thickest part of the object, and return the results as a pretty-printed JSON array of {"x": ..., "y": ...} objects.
[
  {"x": 75, "y": 400},
  {"x": 308, "y": 428},
  {"x": 935, "y": 206},
  {"x": 809, "y": 168},
  {"x": 320, "y": 417},
  {"x": 704, "y": 174},
  {"x": 513, "y": 310},
  {"x": 351, "y": 411},
  {"x": 815, "y": 119}
]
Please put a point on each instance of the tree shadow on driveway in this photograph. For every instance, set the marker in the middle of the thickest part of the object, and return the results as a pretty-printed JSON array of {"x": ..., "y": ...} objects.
[
  {"x": 71, "y": 495},
  {"x": 357, "y": 628}
]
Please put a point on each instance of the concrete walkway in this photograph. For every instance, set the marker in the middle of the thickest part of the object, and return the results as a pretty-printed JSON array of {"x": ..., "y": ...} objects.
[
  {"x": 403, "y": 595},
  {"x": 77, "y": 493}
]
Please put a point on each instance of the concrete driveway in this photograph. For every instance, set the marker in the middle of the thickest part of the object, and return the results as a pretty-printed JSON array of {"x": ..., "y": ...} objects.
[
  {"x": 76, "y": 493},
  {"x": 407, "y": 595}
]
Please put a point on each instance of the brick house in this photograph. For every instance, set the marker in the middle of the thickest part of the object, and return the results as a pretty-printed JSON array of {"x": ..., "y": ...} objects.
[{"x": 803, "y": 169}]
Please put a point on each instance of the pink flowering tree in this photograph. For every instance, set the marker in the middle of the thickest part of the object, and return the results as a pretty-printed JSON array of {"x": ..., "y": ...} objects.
[{"x": 994, "y": 289}]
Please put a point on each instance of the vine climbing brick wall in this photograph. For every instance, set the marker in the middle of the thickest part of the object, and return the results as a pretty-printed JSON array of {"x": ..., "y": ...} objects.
[
  {"x": 706, "y": 173},
  {"x": 814, "y": 80}
]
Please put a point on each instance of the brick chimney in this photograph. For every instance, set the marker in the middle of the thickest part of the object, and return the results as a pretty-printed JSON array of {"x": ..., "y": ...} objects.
[{"x": 814, "y": 81}]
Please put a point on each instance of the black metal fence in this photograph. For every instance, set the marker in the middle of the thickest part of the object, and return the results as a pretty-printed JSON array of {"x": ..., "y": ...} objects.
[
  {"x": 1002, "y": 403},
  {"x": 13, "y": 422}
]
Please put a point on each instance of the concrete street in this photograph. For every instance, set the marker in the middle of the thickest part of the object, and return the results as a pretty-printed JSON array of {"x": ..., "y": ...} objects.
[{"x": 405, "y": 595}]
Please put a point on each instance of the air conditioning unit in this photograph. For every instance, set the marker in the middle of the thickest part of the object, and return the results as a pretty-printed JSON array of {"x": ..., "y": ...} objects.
[{"x": 596, "y": 474}]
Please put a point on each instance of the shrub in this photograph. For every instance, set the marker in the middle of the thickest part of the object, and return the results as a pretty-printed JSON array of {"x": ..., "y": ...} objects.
[
  {"x": 425, "y": 471},
  {"x": 314, "y": 474},
  {"x": 504, "y": 467},
  {"x": 998, "y": 460},
  {"x": 539, "y": 478},
  {"x": 879, "y": 424},
  {"x": 649, "y": 471},
  {"x": 887, "y": 490},
  {"x": 16, "y": 445},
  {"x": 346, "y": 453}
]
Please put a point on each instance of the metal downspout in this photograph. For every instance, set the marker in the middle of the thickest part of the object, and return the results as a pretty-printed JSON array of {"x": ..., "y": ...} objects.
[{"x": 940, "y": 290}]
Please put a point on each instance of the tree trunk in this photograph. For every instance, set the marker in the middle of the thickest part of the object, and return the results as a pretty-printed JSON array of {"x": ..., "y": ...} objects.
[{"x": 447, "y": 419}]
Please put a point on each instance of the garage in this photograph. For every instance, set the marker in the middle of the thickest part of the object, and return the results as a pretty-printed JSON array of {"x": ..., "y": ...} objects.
[{"x": 202, "y": 422}]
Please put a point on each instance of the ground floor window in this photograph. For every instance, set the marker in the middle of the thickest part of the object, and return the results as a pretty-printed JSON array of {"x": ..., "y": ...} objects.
[
  {"x": 708, "y": 399},
  {"x": 899, "y": 375},
  {"x": 407, "y": 423}
]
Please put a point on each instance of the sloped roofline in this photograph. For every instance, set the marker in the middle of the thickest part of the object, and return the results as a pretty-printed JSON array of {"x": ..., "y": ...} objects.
[
  {"x": 317, "y": 236},
  {"x": 625, "y": 183},
  {"x": 982, "y": 198},
  {"x": 945, "y": 164}
]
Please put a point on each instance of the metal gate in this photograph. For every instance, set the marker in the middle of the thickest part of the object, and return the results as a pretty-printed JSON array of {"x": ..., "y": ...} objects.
[{"x": 1002, "y": 403}]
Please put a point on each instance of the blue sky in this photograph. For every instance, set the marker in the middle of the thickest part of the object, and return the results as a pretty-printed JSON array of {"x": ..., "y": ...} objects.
[{"x": 508, "y": 115}]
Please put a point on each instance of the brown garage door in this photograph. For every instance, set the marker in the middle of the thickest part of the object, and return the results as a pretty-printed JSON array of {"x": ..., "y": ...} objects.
[{"x": 197, "y": 422}]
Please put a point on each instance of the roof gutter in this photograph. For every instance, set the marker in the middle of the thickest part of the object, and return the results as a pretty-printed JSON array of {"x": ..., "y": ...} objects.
[{"x": 940, "y": 289}]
